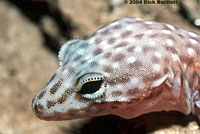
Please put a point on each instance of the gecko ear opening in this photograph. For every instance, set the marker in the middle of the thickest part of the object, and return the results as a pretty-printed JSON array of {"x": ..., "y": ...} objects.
[
  {"x": 62, "y": 55},
  {"x": 91, "y": 86}
]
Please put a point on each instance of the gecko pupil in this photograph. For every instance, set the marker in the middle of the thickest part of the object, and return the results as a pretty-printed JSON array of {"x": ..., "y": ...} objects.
[{"x": 91, "y": 87}]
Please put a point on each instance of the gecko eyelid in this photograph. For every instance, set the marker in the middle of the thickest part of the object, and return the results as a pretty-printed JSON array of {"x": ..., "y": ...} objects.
[
  {"x": 91, "y": 85},
  {"x": 93, "y": 89}
]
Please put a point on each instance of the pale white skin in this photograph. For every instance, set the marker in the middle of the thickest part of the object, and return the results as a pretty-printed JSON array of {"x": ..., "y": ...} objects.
[{"x": 127, "y": 68}]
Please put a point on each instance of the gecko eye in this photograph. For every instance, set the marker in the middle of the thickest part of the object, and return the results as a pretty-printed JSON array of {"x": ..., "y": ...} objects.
[{"x": 91, "y": 86}]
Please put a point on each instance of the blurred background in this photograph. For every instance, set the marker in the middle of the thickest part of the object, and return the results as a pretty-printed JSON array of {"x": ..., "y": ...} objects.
[{"x": 31, "y": 33}]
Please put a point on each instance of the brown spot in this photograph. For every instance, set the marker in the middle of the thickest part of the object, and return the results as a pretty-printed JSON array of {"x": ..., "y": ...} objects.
[
  {"x": 98, "y": 40},
  {"x": 138, "y": 36},
  {"x": 112, "y": 82},
  {"x": 119, "y": 57},
  {"x": 132, "y": 91},
  {"x": 52, "y": 78},
  {"x": 166, "y": 70},
  {"x": 83, "y": 62},
  {"x": 155, "y": 35},
  {"x": 93, "y": 64},
  {"x": 131, "y": 49},
  {"x": 108, "y": 69},
  {"x": 121, "y": 79},
  {"x": 62, "y": 99},
  {"x": 133, "y": 100},
  {"x": 56, "y": 86},
  {"x": 41, "y": 94},
  {"x": 147, "y": 26},
  {"x": 71, "y": 70},
  {"x": 187, "y": 59},
  {"x": 117, "y": 102},
  {"x": 117, "y": 26},
  {"x": 148, "y": 49},
  {"x": 107, "y": 55},
  {"x": 155, "y": 59},
  {"x": 169, "y": 36},
  {"x": 105, "y": 32},
  {"x": 121, "y": 44},
  {"x": 116, "y": 93},
  {"x": 114, "y": 107},
  {"x": 64, "y": 96},
  {"x": 180, "y": 35},
  {"x": 84, "y": 45},
  {"x": 111, "y": 40},
  {"x": 136, "y": 65},
  {"x": 126, "y": 34},
  {"x": 78, "y": 57},
  {"x": 151, "y": 78},
  {"x": 98, "y": 51},
  {"x": 171, "y": 49},
  {"x": 50, "y": 104},
  {"x": 166, "y": 59}
]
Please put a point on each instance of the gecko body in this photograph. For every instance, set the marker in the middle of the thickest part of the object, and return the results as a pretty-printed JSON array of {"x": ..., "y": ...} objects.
[{"x": 127, "y": 68}]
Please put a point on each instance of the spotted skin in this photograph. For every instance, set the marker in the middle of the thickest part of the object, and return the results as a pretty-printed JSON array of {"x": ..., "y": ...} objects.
[{"x": 127, "y": 68}]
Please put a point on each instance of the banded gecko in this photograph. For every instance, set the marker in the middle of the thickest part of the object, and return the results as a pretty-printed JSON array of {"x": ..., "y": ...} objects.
[{"x": 127, "y": 68}]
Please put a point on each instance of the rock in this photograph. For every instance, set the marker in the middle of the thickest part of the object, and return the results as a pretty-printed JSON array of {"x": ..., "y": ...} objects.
[
  {"x": 25, "y": 66},
  {"x": 191, "y": 10}
]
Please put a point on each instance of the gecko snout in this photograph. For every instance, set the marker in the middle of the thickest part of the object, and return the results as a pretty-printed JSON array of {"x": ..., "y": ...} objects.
[{"x": 37, "y": 107}]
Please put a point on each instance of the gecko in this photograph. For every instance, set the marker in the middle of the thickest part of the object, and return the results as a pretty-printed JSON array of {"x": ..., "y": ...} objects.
[{"x": 127, "y": 68}]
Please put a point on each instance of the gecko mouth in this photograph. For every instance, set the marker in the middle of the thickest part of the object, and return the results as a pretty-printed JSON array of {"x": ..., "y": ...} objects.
[
  {"x": 58, "y": 116},
  {"x": 39, "y": 112}
]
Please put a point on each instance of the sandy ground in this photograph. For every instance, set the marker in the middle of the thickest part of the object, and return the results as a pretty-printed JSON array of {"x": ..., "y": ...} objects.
[{"x": 28, "y": 57}]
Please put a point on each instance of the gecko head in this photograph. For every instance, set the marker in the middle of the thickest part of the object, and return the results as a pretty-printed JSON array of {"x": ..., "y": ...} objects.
[
  {"x": 79, "y": 88},
  {"x": 62, "y": 100},
  {"x": 105, "y": 74}
]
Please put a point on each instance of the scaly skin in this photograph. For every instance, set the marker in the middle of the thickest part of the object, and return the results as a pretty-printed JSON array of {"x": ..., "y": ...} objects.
[{"x": 127, "y": 68}]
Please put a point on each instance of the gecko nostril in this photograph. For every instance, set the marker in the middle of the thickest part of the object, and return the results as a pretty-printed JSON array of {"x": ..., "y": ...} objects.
[{"x": 38, "y": 108}]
